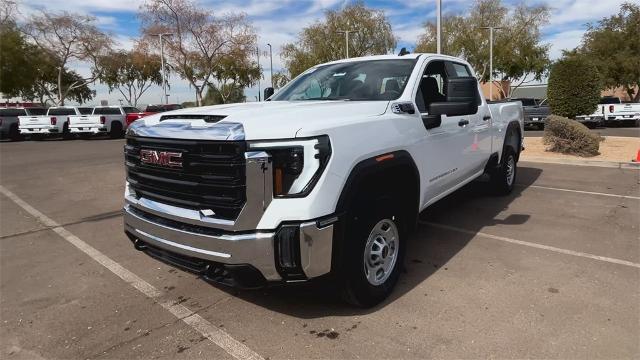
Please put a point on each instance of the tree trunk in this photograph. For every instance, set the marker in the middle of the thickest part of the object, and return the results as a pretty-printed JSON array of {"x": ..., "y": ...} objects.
[
  {"x": 60, "y": 96},
  {"x": 199, "y": 96}
]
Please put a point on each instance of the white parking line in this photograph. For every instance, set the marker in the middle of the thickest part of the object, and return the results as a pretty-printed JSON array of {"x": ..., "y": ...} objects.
[
  {"x": 534, "y": 245},
  {"x": 219, "y": 337},
  {"x": 580, "y": 191}
]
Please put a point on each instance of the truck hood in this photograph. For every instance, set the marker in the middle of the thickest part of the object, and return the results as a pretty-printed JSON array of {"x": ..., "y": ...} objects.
[{"x": 258, "y": 120}]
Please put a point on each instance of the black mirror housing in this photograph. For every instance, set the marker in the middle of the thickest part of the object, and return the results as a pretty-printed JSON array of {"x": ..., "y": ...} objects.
[
  {"x": 462, "y": 97},
  {"x": 268, "y": 92},
  {"x": 462, "y": 89}
]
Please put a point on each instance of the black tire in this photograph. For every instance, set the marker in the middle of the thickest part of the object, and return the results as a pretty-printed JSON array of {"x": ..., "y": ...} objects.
[
  {"x": 503, "y": 178},
  {"x": 116, "y": 130},
  {"x": 383, "y": 212},
  {"x": 14, "y": 133},
  {"x": 66, "y": 134}
]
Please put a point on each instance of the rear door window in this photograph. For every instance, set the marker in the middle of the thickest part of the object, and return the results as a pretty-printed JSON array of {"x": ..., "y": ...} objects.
[{"x": 460, "y": 70}]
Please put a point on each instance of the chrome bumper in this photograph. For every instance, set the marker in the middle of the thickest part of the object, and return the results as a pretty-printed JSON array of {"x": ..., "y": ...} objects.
[
  {"x": 40, "y": 129},
  {"x": 88, "y": 129},
  {"x": 256, "y": 249}
]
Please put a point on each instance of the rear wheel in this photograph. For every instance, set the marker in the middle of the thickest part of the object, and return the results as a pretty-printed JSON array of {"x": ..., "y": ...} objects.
[
  {"x": 14, "y": 133},
  {"x": 116, "y": 130},
  {"x": 66, "y": 134},
  {"x": 375, "y": 252}
]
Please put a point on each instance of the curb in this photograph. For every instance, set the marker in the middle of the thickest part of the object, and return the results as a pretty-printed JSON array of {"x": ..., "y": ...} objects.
[{"x": 581, "y": 162}]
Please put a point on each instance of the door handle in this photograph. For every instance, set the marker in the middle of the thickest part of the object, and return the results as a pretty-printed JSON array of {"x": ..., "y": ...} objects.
[
  {"x": 486, "y": 117},
  {"x": 463, "y": 122}
]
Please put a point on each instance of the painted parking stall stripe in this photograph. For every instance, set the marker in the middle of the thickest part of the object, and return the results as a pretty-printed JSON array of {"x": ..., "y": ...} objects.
[
  {"x": 219, "y": 337},
  {"x": 534, "y": 245},
  {"x": 580, "y": 191}
]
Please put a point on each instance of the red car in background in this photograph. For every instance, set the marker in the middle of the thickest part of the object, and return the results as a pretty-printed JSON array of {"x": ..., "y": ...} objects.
[{"x": 150, "y": 110}]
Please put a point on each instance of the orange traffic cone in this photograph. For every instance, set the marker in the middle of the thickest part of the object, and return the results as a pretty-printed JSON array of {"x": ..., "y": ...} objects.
[{"x": 637, "y": 157}]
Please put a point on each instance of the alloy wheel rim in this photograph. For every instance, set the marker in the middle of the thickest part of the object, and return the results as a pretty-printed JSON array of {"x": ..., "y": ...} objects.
[
  {"x": 381, "y": 252},
  {"x": 511, "y": 170}
]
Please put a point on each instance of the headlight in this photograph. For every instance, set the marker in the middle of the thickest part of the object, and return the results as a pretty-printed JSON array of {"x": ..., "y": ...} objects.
[{"x": 297, "y": 164}]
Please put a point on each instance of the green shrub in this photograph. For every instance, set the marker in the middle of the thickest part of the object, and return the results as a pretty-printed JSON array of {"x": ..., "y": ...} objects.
[
  {"x": 574, "y": 87},
  {"x": 570, "y": 137}
]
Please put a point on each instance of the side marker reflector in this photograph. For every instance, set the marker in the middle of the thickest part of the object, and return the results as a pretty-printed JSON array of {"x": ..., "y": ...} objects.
[{"x": 385, "y": 157}]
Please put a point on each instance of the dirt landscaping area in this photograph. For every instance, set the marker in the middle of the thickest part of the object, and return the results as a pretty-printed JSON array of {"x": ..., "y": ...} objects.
[{"x": 613, "y": 148}]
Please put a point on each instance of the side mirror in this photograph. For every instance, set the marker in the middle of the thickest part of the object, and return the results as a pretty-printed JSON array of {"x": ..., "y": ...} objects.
[
  {"x": 453, "y": 108},
  {"x": 268, "y": 92},
  {"x": 431, "y": 121},
  {"x": 462, "y": 95}
]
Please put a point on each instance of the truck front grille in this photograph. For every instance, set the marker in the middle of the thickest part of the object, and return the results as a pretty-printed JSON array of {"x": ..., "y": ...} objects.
[{"x": 212, "y": 175}]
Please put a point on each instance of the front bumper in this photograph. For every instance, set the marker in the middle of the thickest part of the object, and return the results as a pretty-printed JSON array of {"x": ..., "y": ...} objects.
[
  {"x": 88, "y": 129},
  {"x": 300, "y": 253}
]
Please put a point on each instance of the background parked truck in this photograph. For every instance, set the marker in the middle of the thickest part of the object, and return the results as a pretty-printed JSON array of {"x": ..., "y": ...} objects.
[
  {"x": 103, "y": 120},
  {"x": 55, "y": 122}
]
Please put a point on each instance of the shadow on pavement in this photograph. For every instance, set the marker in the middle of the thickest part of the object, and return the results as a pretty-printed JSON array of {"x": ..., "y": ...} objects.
[{"x": 472, "y": 207}]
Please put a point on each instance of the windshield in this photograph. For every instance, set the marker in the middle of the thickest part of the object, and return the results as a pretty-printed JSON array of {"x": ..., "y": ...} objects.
[
  {"x": 36, "y": 111},
  {"x": 12, "y": 112},
  {"x": 85, "y": 111},
  {"x": 106, "y": 111},
  {"x": 61, "y": 111},
  {"x": 162, "y": 108},
  {"x": 527, "y": 102},
  {"x": 609, "y": 100},
  {"x": 362, "y": 80}
]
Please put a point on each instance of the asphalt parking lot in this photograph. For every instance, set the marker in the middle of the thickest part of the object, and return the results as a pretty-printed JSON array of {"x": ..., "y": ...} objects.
[{"x": 552, "y": 271}]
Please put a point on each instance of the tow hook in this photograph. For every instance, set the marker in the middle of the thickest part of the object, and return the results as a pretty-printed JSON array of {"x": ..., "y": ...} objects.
[{"x": 139, "y": 245}]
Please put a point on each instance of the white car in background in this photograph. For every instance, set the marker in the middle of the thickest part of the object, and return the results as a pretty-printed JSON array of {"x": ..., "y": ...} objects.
[
  {"x": 103, "y": 120},
  {"x": 54, "y": 122},
  {"x": 611, "y": 110}
]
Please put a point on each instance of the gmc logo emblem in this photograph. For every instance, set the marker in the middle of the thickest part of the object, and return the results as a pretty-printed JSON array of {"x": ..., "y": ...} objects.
[{"x": 161, "y": 158}]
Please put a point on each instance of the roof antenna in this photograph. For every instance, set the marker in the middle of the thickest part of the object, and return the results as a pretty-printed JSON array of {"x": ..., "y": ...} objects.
[{"x": 403, "y": 52}]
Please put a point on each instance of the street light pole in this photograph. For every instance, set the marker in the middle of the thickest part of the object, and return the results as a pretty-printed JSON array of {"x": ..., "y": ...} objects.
[
  {"x": 346, "y": 38},
  {"x": 439, "y": 26},
  {"x": 164, "y": 81},
  {"x": 270, "y": 63},
  {"x": 259, "y": 76},
  {"x": 491, "y": 28}
]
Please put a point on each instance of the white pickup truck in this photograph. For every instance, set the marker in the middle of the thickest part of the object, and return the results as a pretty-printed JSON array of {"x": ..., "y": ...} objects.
[
  {"x": 55, "y": 122},
  {"x": 610, "y": 111},
  {"x": 325, "y": 179},
  {"x": 103, "y": 120},
  {"x": 9, "y": 123}
]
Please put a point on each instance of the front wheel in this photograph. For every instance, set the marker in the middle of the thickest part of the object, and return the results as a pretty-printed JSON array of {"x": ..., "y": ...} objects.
[
  {"x": 504, "y": 177},
  {"x": 375, "y": 253}
]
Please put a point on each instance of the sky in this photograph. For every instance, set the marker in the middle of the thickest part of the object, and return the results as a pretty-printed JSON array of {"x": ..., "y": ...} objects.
[{"x": 279, "y": 21}]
